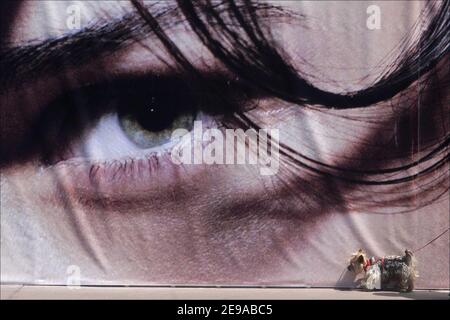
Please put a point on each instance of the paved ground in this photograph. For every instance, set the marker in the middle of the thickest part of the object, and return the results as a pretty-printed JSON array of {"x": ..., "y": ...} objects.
[{"x": 62, "y": 292}]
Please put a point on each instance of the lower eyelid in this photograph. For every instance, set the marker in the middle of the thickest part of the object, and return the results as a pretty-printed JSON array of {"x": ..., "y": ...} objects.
[
  {"x": 122, "y": 183},
  {"x": 85, "y": 173}
]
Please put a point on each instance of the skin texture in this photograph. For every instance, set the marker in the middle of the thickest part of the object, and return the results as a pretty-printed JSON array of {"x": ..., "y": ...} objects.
[{"x": 216, "y": 224}]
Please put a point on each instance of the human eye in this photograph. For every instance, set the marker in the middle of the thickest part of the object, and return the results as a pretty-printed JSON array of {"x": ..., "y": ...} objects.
[
  {"x": 129, "y": 118},
  {"x": 134, "y": 118}
]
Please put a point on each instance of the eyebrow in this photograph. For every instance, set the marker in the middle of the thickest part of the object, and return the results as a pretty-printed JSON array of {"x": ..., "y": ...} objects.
[{"x": 25, "y": 62}]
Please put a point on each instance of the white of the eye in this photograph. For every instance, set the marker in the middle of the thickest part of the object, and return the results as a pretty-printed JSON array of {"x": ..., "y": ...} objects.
[{"x": 108, "y": 141}]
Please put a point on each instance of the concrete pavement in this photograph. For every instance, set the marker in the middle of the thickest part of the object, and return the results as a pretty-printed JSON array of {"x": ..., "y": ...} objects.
[{"x": 63, "y": 292}]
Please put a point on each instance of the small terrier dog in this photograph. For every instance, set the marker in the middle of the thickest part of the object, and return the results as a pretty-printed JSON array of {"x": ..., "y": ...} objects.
[{"x": 390, "y": 272}]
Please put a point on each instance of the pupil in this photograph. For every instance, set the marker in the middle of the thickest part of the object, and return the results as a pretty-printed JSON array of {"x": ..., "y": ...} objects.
[
  {"x": 153, "y": 114},
  {"x": 153, "y": 118}
]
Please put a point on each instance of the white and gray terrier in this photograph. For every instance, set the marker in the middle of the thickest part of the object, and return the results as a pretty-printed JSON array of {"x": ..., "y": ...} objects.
[{"x": 390, "y": 272}]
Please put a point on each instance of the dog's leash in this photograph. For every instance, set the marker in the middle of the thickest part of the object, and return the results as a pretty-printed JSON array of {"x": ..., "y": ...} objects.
[{"x": 430, "y": 242}]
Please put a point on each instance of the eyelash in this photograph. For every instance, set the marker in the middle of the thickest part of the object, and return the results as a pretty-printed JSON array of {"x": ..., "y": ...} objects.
[{"x": 116, "y": 169}]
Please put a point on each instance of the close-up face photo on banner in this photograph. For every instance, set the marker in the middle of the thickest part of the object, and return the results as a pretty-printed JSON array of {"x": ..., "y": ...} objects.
[{"x": 225, "y": 143}]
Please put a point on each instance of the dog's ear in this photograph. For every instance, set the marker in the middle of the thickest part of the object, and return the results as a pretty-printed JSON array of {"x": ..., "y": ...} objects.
[{"x": 361, "y": 259}]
